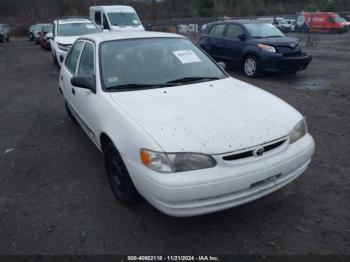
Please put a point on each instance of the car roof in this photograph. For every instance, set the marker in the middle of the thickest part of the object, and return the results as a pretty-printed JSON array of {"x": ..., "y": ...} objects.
[
  {"x": 115, "y": 8},
  {"x": 110, "y": 36},
  {"x": 72, "y": 20}
]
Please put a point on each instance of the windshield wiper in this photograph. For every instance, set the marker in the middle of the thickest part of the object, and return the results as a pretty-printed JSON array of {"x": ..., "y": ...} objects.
[
  {"x": 192, "y": 80},
  {"x": 132, "y": 86}
]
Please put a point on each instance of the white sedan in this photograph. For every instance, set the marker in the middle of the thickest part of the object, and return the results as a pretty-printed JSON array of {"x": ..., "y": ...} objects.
[{"x": 175, "y": 128}]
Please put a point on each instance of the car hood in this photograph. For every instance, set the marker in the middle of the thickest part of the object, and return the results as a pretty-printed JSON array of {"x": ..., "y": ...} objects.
[
  {"x": 278, "y": 41},
  {"x": 67, "y": 40},
  {"x": 213, "y": 117}
]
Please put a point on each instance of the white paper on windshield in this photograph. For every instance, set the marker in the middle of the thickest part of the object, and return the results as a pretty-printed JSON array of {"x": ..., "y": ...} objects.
[
  {"x": 187, "y": 56},
  {"x": 135, "y": 21},
  {"x": 90, "y": 26}
]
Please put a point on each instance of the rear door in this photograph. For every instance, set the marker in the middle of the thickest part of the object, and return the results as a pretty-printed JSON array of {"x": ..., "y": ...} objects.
[{"x": 233, "y": 47}]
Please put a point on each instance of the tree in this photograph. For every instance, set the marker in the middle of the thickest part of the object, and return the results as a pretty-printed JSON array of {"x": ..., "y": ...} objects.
[{"x": 207, "y": 8}]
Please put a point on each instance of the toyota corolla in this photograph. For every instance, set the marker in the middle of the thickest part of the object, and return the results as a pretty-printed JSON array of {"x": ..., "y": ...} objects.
[{"x": 175, "y": 128}]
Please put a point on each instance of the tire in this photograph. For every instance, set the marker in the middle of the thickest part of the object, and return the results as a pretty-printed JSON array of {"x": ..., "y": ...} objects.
[
  {"x": 8, "y": 39},
  {"x": 334, "y": 31},
  {"x": 119, "y": 179},
  {"x": 70, "y": 114},
  {"x": 2, "y": 39},
  {"x": 251, "y": 66}
]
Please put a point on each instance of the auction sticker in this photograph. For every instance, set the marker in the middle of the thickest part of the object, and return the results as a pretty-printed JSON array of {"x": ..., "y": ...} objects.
[{"x": 187, "y": 56}]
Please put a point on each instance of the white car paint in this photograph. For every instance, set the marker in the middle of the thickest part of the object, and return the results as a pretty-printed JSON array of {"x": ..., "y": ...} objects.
[{"x": 218, "y": 118}]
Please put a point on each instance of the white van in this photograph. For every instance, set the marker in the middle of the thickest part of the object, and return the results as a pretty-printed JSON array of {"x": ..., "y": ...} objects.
[{"x": 116, "y": 18}]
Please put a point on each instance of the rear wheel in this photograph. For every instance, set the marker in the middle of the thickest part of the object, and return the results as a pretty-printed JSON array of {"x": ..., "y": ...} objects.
[
  {"x": 8, "y": 39},
  {"x": 251, "y": 66},
  {"x": 118, "y": 176}
]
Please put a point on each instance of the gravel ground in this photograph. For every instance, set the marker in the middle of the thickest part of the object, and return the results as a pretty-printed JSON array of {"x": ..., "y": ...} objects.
[{"x": 55, "y": 197}]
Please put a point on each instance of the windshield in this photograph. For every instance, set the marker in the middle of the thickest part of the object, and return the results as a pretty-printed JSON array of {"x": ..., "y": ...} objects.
[
  {"x": 123, "y": 19},
  {"x": 154, "y": 61},
  {"x": 263, "y": 30},
  {"x": 282, "y": 21},
  {"x": 338, "y": 19},
  {"x": 39, "y": 27},
  {"x": 76, "y": 29}
]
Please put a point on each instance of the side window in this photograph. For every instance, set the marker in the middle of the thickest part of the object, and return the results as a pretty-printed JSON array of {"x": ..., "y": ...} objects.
[
  {"x": 217, "y": 30},
  {"x": 234, "y": 31},
  {"x": 105, "y": 22},
  {"x": 98, "y": 18},
  {"x": 87, "y": 61},
  {"x": 73, "y": 56}
]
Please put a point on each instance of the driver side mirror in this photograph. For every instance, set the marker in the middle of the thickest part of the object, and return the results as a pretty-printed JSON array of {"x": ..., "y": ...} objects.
[
  {"x": 242, "y": 37},
  {"x": 85, "y": 82}
]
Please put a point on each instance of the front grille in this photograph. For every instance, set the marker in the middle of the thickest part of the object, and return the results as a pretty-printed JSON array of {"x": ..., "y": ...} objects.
[{"x": 250, "y": 153}]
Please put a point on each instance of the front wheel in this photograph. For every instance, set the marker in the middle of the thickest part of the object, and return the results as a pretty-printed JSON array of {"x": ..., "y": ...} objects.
[
  {"x": 335, "y": 31},
  {"x": 251, "y": 66},
  {"x": 118, "y": 176}
]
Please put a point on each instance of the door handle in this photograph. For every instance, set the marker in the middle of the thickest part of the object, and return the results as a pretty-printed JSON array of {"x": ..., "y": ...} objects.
[{"x": 73, "y": 91}]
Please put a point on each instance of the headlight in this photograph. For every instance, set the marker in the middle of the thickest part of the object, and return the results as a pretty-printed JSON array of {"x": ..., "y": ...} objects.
[
  {"x": 298, "y": 132},
  {"x": 267, "y": 48},
  {"x": 64, "y": 48},
  {"x": 175, "y": 162}
]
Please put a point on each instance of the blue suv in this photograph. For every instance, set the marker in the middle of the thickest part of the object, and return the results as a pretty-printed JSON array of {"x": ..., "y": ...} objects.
[{"x": 256, "y": 46}]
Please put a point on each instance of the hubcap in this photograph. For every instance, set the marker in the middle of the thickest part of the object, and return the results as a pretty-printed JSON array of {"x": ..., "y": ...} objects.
[{"x": 250, "y": 66}]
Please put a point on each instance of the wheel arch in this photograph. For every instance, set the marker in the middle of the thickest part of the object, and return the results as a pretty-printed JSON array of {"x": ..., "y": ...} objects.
[{"x": 104, "y": 141}]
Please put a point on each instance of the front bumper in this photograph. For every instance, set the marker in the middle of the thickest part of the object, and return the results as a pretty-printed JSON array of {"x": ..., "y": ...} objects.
[
  {"x": 224, "y": 186},
  {"x": 280, "y": 63}
]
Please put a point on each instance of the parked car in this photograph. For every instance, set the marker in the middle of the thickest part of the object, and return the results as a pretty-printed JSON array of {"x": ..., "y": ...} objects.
[
  {"x": 256, "y": 46},
  {"x": 38, "y": 30},
  {"x": 65, "y": 32},
  {"x": 44, "y": 44},
  {"x": 321, "y": 22},
  {"x": 4, "y": 33},
  {"x": 30, "y": 33},
  {"x": 175, "y": 128},
  {"x": 292, "y": 23},
  {"x": 345, "y": 23},
  {"x": 116, "y": 18},
  {"x": 281, "y": 23}
]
